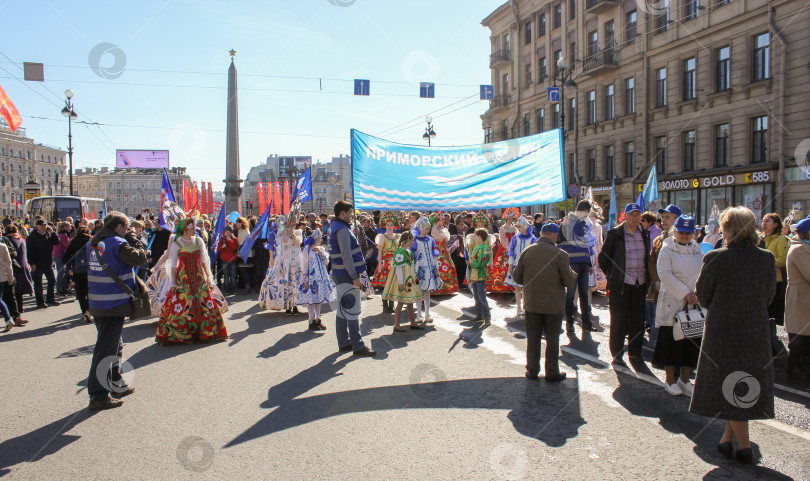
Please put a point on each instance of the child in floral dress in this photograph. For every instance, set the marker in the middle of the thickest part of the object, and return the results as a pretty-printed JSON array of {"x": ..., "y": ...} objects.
[
  {"x": 402, "y": 285},
  {"x": 316, "y": 285}
]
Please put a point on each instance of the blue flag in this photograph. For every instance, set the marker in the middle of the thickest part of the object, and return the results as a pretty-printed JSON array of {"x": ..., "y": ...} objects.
[
  {"x": 302, "y": 188},
  {"x": 613, "y": 214},
  {"x": 165, "y": 194},
  {"x": 216, "y": 236},
  {"x": 650, "y": 191},
  {"x": 244, "y": 252},
  {"x": 640, "y": 201}
]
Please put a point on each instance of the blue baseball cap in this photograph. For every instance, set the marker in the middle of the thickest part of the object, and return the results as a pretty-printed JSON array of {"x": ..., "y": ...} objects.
[
  {"x": 685, "y": 223},
  {"x": 631, "y": 207},
  {"x": 672, "y": 209},
  {"x": 803, "y": 226},
  {"x": 550, "y": 227}
]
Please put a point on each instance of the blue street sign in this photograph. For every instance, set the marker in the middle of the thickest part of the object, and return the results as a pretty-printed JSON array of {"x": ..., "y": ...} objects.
[
  {"x": 427, "y": 90},
  {"x": 361, "y": 87},
  {"x": 554, "y": 94},
  {"x": 573, "y": 191},
  {"x": 487, "y": 92}
]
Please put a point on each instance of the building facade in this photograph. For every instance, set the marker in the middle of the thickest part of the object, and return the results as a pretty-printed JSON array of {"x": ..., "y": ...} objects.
[
  {"x": 711, "y": 94},
  {"x": 131, "y": 191},
  {"x": 21, "y": 157}
]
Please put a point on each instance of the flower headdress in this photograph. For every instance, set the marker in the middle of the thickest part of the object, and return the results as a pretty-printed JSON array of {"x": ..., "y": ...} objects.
[
  {"x": 510, "y": 212},
  {"x": 389, "y": 216},
  {"x": 482, "y": 217}
]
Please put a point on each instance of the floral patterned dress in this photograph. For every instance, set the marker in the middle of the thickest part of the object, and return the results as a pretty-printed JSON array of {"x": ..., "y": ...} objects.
[
  {"x": 402, "y": 261},
  {"x": 496, "y": 280},
  {"x": 316, "y": 286},
  {"x": 190, "y": 313},
  {"x": 389, "y": 246},
  {"x": 517, "y": 245},
  {"x": 426, "y": 263},
  {"x": 280, "y": 287},
  {"x": 447, "y": 269}
]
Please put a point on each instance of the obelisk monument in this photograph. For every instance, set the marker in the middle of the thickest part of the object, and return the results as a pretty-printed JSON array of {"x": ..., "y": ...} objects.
[{"x": 233, "y": 189}]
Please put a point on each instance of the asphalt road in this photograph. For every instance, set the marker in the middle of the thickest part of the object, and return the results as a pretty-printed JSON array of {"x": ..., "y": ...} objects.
[{"x": 277, "y": 401}]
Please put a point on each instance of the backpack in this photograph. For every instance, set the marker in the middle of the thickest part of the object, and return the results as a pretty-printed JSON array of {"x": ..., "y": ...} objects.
[
  {"x": 12, "y": 251},
  {"x": 80, "y": 261}
]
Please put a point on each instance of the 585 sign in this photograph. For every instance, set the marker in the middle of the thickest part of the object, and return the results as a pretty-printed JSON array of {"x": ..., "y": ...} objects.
[{"x": 756, "y": 177}]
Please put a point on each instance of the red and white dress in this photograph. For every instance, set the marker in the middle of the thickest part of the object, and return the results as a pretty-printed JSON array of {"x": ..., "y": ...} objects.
[
  {"x": 496, "y": 280},
  {"x": 389, "y": 246},
  {"x": 447, "y": 269}
]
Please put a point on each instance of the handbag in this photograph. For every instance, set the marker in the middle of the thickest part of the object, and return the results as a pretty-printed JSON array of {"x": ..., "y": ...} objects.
[
  {"x": 139, "y": 298},
  {"x": 689, "y": 323}
]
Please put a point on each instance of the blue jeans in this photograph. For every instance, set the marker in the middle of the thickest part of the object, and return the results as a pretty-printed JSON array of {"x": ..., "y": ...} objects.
[
  {"x": 3, "y": 306},
  {"x": 61, "y": 275},
  {"x": 582, "y": 285},
  {"x": 108, "y": 346},
  {"x": 649, "y": 315},
  {"x": 479, "y": 289},
  {"x": 37, "y": 275},
  {"x": 347, "y": 316},
  {"x": 229, "y": 272}
]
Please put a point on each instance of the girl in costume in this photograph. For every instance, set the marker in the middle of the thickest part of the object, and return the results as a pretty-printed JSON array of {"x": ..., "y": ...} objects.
[
  {"x": 386, "y": 245},
  {"x": 447, "y": 269},
  {"x": 316, "y": 285},
  {"x": 426, "y": 264},
  {"x": 517, "y": 245},
  {"x": 189, "y": 313},
  {"x": 500, "y": 254},
  {"x": 480, "y": 221},
  {"x": 280, "y": 287},
  {"x": 402, "y": 285}
]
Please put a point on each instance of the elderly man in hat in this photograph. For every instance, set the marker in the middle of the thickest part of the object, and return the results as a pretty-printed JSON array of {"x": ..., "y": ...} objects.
[
  {"x": 624, "y": 259},
  {"x": 545, "y": 273}
]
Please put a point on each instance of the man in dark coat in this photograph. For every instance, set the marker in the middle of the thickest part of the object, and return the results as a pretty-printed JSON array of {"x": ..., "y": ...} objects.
[
  {"x": 160, "y": 244},
  {"x": 39, "y": 247},
  {"x": 624, "y": 259}
]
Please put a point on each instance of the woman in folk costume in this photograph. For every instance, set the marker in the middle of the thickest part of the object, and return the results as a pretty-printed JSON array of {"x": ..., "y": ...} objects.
[
  {"x": 480, "y": 221},
  {"x": 189, "y": 313},
  {"x": 517, "y": 245},
  {"x": 280, "y": 287},
  {"x": 447, "y": 269},
  {"x": 500, "y": 254},
  {"x": 386, "y": 246},
  {"x": 316, "y": 284},
  {"x": 426, "y": 265}
]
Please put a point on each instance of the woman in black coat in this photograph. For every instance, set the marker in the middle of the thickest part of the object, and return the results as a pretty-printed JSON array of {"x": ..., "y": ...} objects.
[
  {"x": 77, "y": 244},
  {"x": 24, "y": 284},
  {"x": 735, "y": 379}
]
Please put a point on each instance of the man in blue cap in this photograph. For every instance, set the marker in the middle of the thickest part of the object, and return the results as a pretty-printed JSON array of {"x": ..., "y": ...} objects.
[
  {"x": 669, "y": 215},
  {"x": 624, "y": 259},
  {"x": 573, "y": 239}
]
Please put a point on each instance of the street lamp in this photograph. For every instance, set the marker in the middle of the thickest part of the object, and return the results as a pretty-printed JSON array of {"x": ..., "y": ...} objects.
[
  {"x": 70, "y": 114},
  {"x": 565, "y": 77},
  {"x": 429, "y": 132}
]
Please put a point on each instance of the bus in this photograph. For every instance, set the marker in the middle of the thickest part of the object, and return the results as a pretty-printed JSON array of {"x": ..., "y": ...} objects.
[{"x": 52, "y": 207}]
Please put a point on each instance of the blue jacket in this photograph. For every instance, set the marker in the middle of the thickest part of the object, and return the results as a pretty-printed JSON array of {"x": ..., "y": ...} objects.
[
  {"x": 340, "y": 273},
  {"x": 108, "y": 299},
  {"x": 574, "y": 240}
]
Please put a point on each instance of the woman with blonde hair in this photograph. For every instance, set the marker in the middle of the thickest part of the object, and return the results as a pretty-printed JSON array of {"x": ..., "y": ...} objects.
[{"x": 736, "y": 284}]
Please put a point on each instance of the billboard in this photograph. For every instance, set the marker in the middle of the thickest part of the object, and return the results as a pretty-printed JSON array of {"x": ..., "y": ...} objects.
[
  {"x": 285, "y": 164},
  {"x": 142, "y": 159}
]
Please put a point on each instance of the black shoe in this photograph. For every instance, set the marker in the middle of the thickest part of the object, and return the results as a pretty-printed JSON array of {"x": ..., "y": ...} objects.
[
  {"x": 313, "y": 326},
  {"x": 635, "y": 357},
  {"x": 54, "y": 303},
  {"x": 365, "y": 352},
  {"x": 42, "y": 305},
  {"x": 287, "y": 312},
  {"x": 726, "y": 449},
  {"x": 295, "y": 310},
  {"x": 104, "y": 403},
  {"x": 346, "y": 348},
  {"x": 745, "y": 456},
  {"x": 619, "y": 362},
  {"x": 799, "y": 373},
  {"x": 569, "y": 326},
  {"x": 533, "y": 377},
  {"x": 119, "y": 395},
  {"x": 556, "y": 378},
  {"x": 588, "y": 327}
]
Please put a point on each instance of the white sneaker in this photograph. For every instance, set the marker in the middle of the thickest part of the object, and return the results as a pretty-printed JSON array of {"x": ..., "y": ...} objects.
[
  {"x": 673, "y": 389},
  {"x": 686, "y": 388},
  {"x": 420, "y": 318}
]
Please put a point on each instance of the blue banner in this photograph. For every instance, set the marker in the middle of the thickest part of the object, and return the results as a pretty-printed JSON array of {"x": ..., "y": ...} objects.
[
  {"x": 216, "y": 235},
  {"x": 302, "y": 189},
  {"x": 513, "y": 173},
  {"x": 261, "y": 227}
]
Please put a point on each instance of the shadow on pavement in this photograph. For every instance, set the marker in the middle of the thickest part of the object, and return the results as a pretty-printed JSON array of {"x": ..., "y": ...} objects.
[{"x": 288, "y": 342}]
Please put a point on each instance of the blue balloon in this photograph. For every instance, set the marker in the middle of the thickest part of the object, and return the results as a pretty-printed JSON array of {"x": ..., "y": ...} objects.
[
  {"x": 233, "y": 216},
  {"x": 706, "y": 247}
]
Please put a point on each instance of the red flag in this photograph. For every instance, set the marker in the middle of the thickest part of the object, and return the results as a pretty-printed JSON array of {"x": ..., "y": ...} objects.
[
  {"x": 269, "y": 195},
  {"x": 277, "y": 199},
  {"x": 262, "y": 198},
  {"x": 186, "y": 195},
  {"x": 285, "y": 206},
  {"x": 195, "y": 197},
  {"x": 9, "y": 111},
  {"x": 210, "y": 200}
]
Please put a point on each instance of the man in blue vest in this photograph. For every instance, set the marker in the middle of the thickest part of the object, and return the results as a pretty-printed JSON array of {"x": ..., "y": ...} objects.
[
  {"x": 110, "y": 304},
  {"x": 573, "y": 239},
  {"x": 347, "y": 265}
]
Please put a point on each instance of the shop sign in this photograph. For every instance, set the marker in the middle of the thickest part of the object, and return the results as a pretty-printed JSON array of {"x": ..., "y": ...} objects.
[
  {"x": 755, "y": 177},
  {"x": 600, "y": 189},
  {"x": 715, "y": 181},
  {"x": 718, "y": 180}
]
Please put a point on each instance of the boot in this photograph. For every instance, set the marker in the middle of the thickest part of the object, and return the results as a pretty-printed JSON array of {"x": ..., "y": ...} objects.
[{"x": 776, "y": 344}]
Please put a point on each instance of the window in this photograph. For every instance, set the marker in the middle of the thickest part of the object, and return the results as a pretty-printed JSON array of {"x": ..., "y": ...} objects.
[
  {"x": 592, "y": 164},
  {"x": 527, "y": 125},
  {"x": 630, "y": 96},
  {"x": 610, "y": 35},
  {"x": 505, "y": 84},
  {"x": 572, "y": 54},
  {"x": 760, "y": 141},
  {"x": 662, "y": 21},
  {"x": 507, "y": 45},
  {"x": 541, "y": 69},
  {"x": 689, "y": 150},
  {"x": 723, "y": 68},
  {"x": 505, "y": 129},
  {"x": 572, "y": 171},
  {"x": 557, "y": 15},
  {"x": 661, "y": 155},
  {"x": 762, "y": 57},
  {"x": 689, "y": 87},
  {"x": 661, "y": 87},
  {"x": 572, "y": 113},
  {"x": 572, "y": 9},
  {"x": 541, "y": 25},
  {"x": 488, "y": 135},
  {"x": 555, "y": 116},
  {"x": 557, "y": 56},
  {"x": 609, "y": 102},
  {"x": 629, "y": 159},
  {"x": 541, "y": 121},
  {"x": 609, "y": 162},
  {"x": 721, "y": 145},
  {"x": 527, "y": 33},
  {"x": 528, "y": 75},
  {"x": 593, "y": 43},
  {"x": 591, "y": 107},
  {"x": 690, "y": 9}
]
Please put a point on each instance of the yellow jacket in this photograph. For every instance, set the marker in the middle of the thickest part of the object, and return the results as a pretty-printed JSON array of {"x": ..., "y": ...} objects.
[{"x": 779, "y": 246}]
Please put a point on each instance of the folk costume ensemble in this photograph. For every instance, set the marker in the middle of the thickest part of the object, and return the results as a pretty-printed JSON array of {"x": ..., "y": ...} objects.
[
  {"x": 500, "y": 257},
  {"x": 280, "y": 287},
  {"x": 190, "y": 313},
  {"x": 517, "y": 245},
  {"x": 315, "y": 285},
  {"x": 447, "y": 269},
  {"x": 402, "y": 273},
  {"x": 469, "y": 243},
  {"x": 426, "y": 264}
]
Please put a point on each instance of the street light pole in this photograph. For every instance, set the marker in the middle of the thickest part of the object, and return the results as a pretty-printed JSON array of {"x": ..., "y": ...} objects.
[
  {"x": 70, "y": 114},
  {"x": 429, "y": 132},
  {"x": 565, "y": 75}
]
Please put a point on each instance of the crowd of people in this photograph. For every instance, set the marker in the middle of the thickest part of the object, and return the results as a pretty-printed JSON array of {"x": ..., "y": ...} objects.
[{"x": 653, "y": 266}]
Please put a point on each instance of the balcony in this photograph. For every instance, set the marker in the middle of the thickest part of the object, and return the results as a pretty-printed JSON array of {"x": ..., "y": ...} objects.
[
  {"x": 500, "y": 101},
  {"x": 602, "y": 61},
  {"x": 599, "y": 6},
  {"x": 499, "y": 57}
]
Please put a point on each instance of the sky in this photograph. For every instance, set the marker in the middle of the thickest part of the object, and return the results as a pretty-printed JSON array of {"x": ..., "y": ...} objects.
[{"x": 153, "y": 75}]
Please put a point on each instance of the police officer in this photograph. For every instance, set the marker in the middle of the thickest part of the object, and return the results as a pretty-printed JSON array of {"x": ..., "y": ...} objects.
[{"x": 110, "y": 304}]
